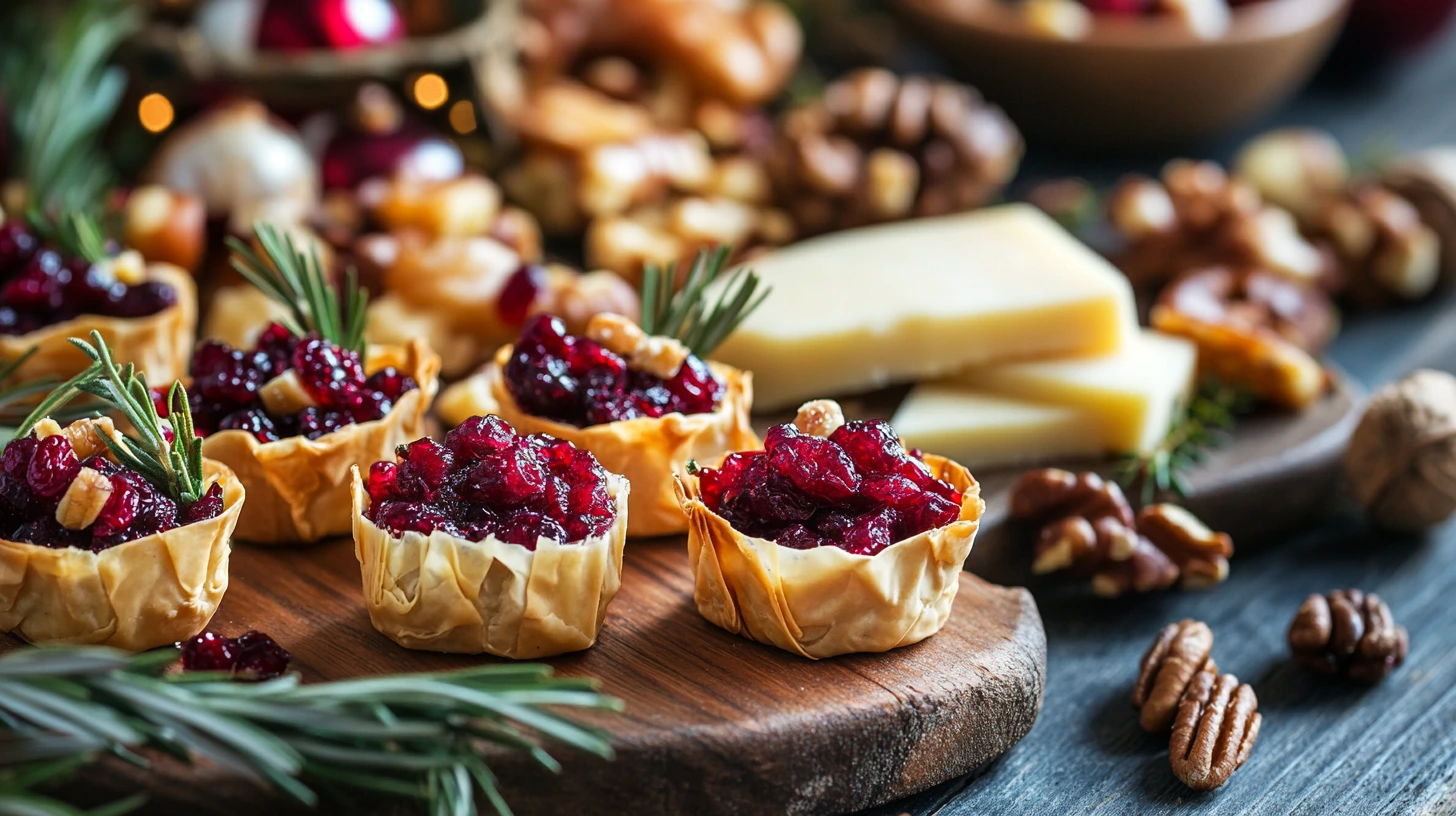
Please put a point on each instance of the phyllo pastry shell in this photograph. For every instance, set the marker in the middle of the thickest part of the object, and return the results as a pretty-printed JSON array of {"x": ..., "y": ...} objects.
[
  {"x": 159, "y": 344},
  {"x": 148, "y": 592},
  {"x": 443, "y": 593},
  {"x": 647, "y": 451},
  {"x": 298, "y": 488},
  {"x": 824, "y": 601}
]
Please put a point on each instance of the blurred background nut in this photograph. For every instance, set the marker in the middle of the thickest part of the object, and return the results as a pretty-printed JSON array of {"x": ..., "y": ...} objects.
[
  {"x": 1058, "y": 19},
  {"x": 165, "y": 226},
  {"x": 1049, "y": 494},
  {"x": 1387, "y": 252},
  {"x": 1348, "y": 632},
  {"x": 1200, "y": 553},
  {"x": 457, "y": 208},
  {"x": 1208, "y": 19},
  {"x": 1144, "y": 569},
  {"x": 1253, "y": 329},
  {"x": 1401, "y": 462},
  {"x": 1298, "y": 169},
  {"x": 879, "y": 147}
]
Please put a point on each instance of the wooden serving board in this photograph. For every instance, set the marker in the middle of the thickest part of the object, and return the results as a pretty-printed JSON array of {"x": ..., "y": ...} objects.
[{"x": 714, "y": 723}]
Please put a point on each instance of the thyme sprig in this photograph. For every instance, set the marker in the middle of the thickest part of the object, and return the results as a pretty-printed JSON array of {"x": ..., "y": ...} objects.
[
  {"x": 296, "y": 280},
  {"x": 688, "y": 314},
  {"x": 418, "y": 736},
  {"x": 1204, "y": 424},
  {"x": 175, "y": 467}
]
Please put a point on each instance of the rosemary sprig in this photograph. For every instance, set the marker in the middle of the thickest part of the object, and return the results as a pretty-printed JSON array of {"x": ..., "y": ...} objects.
[
  {"x": 55, "y": 77},
  {"x": 1203, "y": 424},
  {"x": 173, "y": 467},
  {"x": 16, "y": 399},
  {"x": 687, "y": 314},
  {"x": 419, "y": 736},
  {"x": 296, "y": 280}
]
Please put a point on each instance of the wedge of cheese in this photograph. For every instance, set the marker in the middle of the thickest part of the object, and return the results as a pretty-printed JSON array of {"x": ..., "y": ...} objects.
[
  {"x": 981, "y": 430},
  {"x": 1130, "y": 396},
  {"x": 857, "y": 310}
]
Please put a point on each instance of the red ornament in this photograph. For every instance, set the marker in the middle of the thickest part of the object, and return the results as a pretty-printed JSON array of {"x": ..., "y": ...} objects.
[
  {"x": 297, "y": 25},
  {"x": 1123, "y": 7},
  {"x": 382, "y": 142}
]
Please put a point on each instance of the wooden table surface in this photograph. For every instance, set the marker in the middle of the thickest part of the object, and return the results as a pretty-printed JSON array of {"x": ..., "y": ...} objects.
[{"x": 1325, "y": 747}]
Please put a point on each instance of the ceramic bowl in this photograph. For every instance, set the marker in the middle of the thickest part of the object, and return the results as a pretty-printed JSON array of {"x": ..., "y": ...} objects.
[{"x": 1131, "y": 82}]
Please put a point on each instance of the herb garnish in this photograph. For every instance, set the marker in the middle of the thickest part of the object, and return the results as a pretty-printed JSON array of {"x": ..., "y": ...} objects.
[
  {"x": 687, "y": 315},
  {"x": 1204, "y": 424},
  {"x": 296, "y": 280}
]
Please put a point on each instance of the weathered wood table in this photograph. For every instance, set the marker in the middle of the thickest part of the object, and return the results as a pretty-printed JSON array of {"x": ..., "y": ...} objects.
[{"x": 1325, "y": 747}]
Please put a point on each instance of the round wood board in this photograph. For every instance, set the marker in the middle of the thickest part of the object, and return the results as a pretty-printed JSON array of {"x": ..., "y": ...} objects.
[{"x": 714, "y": 723}]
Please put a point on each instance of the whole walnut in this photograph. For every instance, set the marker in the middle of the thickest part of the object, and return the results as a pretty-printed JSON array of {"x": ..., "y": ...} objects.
[
  {"x": 878, "y": 147},
  {"x": 1401, "y": 462}
]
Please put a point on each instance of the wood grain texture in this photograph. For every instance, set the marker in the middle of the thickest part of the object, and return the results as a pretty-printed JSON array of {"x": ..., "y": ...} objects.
[{"x": 714, "y": 723}]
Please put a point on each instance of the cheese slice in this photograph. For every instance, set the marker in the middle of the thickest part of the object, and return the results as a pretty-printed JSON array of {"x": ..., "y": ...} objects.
[
  {"x": 981, "y": 430},
  {"x": 860, "y": 309},
  {"x": 1130, "y": 395}
]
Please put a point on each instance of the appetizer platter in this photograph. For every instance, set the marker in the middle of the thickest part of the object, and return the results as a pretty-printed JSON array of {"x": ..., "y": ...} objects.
[{"x": 332, "y": 481}]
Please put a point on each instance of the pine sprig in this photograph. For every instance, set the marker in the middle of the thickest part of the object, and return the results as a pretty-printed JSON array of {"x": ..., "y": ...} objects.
[
  {"x": 296, "y": 280},
  {"x": 62, "y": 93},
  {"x": 687, "y": 315},
  {"x": 173, "y": 467},
  {"x": 1204, "y": 424},
  {"x": 418, "y": 736}
]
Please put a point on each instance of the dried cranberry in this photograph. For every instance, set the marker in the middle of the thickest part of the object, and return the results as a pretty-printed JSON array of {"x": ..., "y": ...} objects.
[
  {"x": 120, "y": 509},
  {"x": 277, "y": 343},
  {"x": 383, "y": 480},
  {"x": 40, "y": 286},
  {"x": 253, "y": 421},
  {"x": 425, "y": 467},
  {"x": 53, "y": 467},
  {"x": 207, "y": 507},
  {"x": 391, "y": 382},
  {"x": 525, "y": 527},
  {"x": 695, "y": 389},
  {"x": 818, "y": 467},
  {"x": 864, "y": 534},
  {"x": 478, "y": 436},
  {"x": 209, "y": 652},
  {"x": 221, "y": 374},
  {"x": 314, "y": 422},
  {"x": 402, "y": 516},
  {"x": 17, "y": 245},
  {"x": 259, "y": 657},
  {"x": 15, "y": 466},
  {"x": 506, "y": 478},
  {"x": 143, "y": 299},
  {"x": 333, "y": 376},
  {"x": 519, "y": 292},
  {"x": 798, "y": 537}
]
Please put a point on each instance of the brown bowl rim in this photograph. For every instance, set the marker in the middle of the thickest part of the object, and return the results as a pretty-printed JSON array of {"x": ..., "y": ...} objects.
[{"x": 1257, "y": 22}]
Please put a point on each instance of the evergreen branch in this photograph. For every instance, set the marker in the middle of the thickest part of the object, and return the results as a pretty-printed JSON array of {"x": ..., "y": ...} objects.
[
  {"x": 425, "y": 737},
  {"x": 62, "y": 94},
  {"x": 173, "y": 467},
  {"x": 1202, "y": 425},
  {"x": 687, "y": 315},
  {"x": 297, "y": 281}
]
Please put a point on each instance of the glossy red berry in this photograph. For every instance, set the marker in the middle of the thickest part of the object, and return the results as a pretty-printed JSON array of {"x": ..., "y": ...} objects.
[
  {"x": 210, "y": 505},
  {"x": 53, "y": 467},
  {"x": 519, "y": 292},
  {"x": 209, "y": 652},
  {"x": 259, "y": 657}
]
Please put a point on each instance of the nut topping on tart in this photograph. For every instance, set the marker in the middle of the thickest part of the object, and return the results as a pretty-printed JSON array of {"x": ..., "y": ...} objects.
[
  {"x": 41, "y": 284},
  {"x": 288, "y": 386},
  {"x": 579, "y": 381},
  {"x": 488, "y": 481},
  {"x": 857, "y": 488},
  {"x": 50, "y": 497}
]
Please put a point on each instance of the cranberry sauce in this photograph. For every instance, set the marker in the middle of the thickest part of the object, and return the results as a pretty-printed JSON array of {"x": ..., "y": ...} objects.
[
  {"x": 486, "y": 480},
  {"x": 570, "y": 379},
  {"x": 249, "y": 656},
  {"x": 331, "y": 390},
  {"x": 40, "y": 286},
  {"x": 37, "y": 474},
  {"x": 858, "y": 490}
]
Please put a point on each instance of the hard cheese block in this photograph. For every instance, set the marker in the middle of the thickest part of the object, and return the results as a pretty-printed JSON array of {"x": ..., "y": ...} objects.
[
  {"x": 861, "y": 309},
  {"x": 1129, "y": 397},
  {"x": 980, "y": 430}
]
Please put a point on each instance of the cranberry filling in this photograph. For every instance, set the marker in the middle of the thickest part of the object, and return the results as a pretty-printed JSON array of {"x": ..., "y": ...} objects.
[
  {"x": 39, "y": 286},
  {"x": 574, "y": 380},
  {"x": 35, "y": 475},
  {"x": 227, "y": 383},
  {"x": 858, "y": 490},
  {"x": 485, "y": 480},
  {"x": 250, "y": 656}
]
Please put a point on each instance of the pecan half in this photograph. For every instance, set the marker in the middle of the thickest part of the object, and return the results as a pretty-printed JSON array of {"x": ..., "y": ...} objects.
[
  {"x": 1217, "y": 723},
  {"x": 1350, "y": 633},
  {"x": 1047, "y": 495},
  {"x": 1200, "y": 553},
  {"x": 1179, "y": 653}
]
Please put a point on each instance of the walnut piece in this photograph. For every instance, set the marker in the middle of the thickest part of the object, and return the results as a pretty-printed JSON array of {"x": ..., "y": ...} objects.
[
  {"x": 617, "y": 334},
  {"x": 1401, "y": 461},
  {"x": 819, "y": 418},
  {"x": 1298, "y": 169},
  {"x": 1350, "y": 633},
  {"x": 1200, "y": 553},
  {"x": 284, "y": 394},
  {"x": 1181, "y": 651},
  {"x": 1215, "y": 728},
  {"x": 1045, "y": 495},
  {"x": 83, "y": 500}
]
